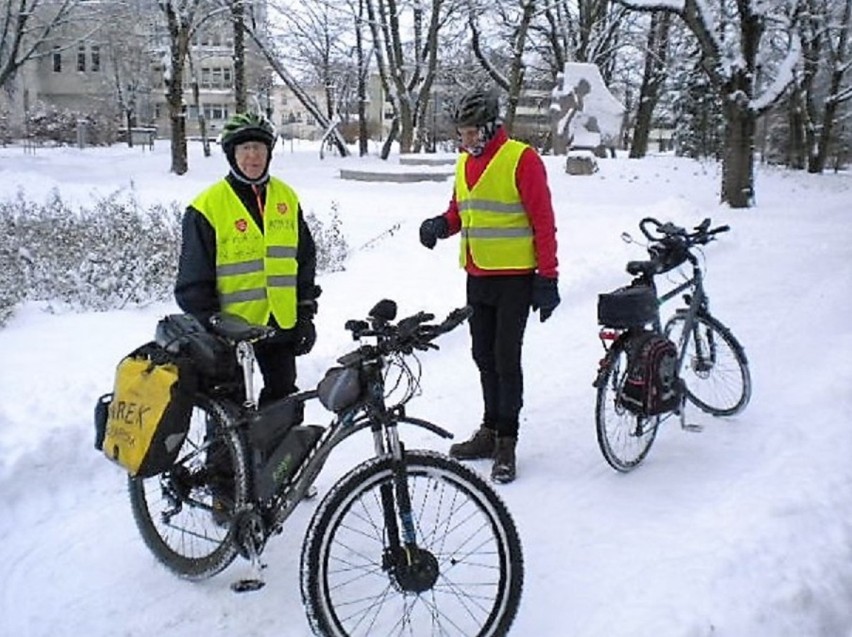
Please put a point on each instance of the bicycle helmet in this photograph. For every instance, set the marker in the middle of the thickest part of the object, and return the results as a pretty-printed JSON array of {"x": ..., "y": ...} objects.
[
  {"x": 480, "y": 108},
  {"x": 247, "y": 127},
  {"x": 477, "y": 107}
]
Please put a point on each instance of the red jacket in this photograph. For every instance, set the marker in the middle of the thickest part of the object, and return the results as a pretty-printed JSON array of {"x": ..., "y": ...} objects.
[{"x": 531, "y": 180}]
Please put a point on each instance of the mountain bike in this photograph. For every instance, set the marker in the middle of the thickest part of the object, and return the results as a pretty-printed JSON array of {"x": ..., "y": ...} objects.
[
  {"x": 408, "y": 542},
  {"x": 711, "y": 370}
]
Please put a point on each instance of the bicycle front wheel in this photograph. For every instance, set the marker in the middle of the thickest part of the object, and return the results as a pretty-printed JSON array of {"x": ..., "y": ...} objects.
[
  {"x": 715, "y": 369},
  {"x": 354, "y": 585},
  {"x": 624, "y": 438},
  {"x": 184, "y": 514}
]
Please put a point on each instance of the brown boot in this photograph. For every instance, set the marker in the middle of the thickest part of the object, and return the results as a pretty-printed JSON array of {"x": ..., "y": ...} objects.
[
  {"x": 503, "y": 470},
  {"x": 480, "y": 445}
]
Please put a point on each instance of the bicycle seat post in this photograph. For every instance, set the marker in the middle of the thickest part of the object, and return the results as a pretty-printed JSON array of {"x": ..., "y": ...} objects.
[{"x": 246, "y": 358}]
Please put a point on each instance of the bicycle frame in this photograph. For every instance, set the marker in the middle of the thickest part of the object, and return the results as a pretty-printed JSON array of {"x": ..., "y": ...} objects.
[
  {"x": 372, "y": 412},
  {"x": 697, "y": 303}
]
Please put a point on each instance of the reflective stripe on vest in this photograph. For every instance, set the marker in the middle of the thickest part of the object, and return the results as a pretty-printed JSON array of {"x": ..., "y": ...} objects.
[
  {"x": 255, "y": 271},
  {"x": 495, "y": 228}
]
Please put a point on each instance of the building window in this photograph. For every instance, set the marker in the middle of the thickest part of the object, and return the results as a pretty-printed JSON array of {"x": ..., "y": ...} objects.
[
  {"x": 81, "y": 57},
  {"x": 216, "y": 111},
  {"x": 96, "y": 58},
  {"x": 57, "y": 60}
]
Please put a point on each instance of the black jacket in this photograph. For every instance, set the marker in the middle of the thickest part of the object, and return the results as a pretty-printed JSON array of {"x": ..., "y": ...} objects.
[{"x": 195, "y": 288}]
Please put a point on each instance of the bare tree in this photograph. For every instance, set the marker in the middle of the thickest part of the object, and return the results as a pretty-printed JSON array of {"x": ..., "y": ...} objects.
[
  {"x": 730, "y": 34},
  {"x": 407, "y": 66},
  {"x": 819, "y": 92},
  {"x": 652, "y": 79},
  {"x": 514, "y": 80},
  {"x": 181, "y": 22},
  {"x": 26, "y": 26},
  {"x": 274, "y": 60}
]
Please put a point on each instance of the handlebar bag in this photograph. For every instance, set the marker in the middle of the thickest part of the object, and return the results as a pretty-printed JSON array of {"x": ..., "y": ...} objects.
[
  {"x": 629, "y": 306},
  {"x": 147, "y": 416},
  {"x": 340, "y": 388},
  {"x": 652, "y": 385}
]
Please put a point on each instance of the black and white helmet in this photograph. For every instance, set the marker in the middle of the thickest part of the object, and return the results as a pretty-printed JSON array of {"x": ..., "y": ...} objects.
[{"x": 477, "y": 107}]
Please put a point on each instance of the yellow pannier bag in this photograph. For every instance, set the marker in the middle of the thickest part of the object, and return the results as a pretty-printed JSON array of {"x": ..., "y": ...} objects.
[{"x": 148, "y": 413}]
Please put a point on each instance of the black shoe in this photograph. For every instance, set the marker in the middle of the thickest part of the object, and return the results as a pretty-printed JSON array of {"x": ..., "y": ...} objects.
[
  {"x": 480, "y": 445},
  {"x": 503, "y": 470}
]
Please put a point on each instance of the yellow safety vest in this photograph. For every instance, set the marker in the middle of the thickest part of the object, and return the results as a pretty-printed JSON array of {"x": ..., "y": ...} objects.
[
  {"x": 255, "y": 270},
  {"x": 495, "y": 228}
]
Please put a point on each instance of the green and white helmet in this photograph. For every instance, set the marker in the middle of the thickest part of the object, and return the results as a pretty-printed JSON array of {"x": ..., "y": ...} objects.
[{"x": 244, "y": 127}]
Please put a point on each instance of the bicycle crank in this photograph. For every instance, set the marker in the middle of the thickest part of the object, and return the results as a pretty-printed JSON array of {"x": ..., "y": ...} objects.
[{"x": 250, "y": 537}]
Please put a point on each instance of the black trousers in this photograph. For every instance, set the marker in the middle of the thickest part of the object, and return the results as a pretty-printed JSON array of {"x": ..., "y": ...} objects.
[
  {"x": 277, "y": 362},
  {"x": 501, "y": 306}
]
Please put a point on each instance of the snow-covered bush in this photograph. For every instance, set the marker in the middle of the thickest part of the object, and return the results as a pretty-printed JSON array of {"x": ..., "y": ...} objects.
[
  {"x": 332, "y": 248},
  {"x": 113, "y": 254}
]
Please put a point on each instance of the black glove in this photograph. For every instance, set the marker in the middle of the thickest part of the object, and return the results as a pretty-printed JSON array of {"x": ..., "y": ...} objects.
[
  {"x": 306, "y": 333},
  {"x": 306, "y": 336},
  {"x": 545, "y": 296},
  {"x": 433, "y": 229}
]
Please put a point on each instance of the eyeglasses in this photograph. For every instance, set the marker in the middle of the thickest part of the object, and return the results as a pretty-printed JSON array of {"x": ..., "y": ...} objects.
[{"x": 250, "y": 147}]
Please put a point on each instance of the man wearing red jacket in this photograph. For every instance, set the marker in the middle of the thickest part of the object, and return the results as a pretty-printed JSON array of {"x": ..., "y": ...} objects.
[{"x": 502, "y": 209}]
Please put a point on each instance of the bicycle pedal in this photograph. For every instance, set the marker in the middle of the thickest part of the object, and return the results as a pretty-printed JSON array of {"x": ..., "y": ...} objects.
[
  {"x": 247, "y": 585},
  {"x": 696, "y": 429}
]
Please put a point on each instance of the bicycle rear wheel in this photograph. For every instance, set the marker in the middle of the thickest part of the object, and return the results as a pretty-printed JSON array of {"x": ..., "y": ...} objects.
[
  {"x": 715, "y": 369},
  {"x": 174, "y": 511},
  {"x": 624, "y": 438},
  {"x": 353, "y": 585}
]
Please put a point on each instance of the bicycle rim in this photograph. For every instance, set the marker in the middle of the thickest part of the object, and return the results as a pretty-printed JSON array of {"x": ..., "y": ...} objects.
[
  {"x": 174, "y": 510},
  {"x": 715, "y": 370},
  {"x": 623, "y": 437},
  {"x": 350, "y": 591}
]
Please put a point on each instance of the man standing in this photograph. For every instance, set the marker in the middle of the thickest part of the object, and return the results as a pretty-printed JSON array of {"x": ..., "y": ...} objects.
[
  {"x": 502, "y": 208},
  {"x": 247, "y": 250}
]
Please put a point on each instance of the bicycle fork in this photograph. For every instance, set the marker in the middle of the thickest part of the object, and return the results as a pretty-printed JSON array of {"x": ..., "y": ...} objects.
[{"x": 411, "y": 568}]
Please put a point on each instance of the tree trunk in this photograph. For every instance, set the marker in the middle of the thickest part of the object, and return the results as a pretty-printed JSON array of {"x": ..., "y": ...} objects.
[
  {"x": 128, "y": 120},
  {"x": 177, "y": 116},
  {"x": 817, "y": 164},
  {"x": 801, "y": 135},
  {"x": 738, "y": 161},
  {"x": 652, "y": 79},
  {"x": 240, "y": 94},
  {"x": 386, "y": 147},
  {"x": 363, "y": 70}
]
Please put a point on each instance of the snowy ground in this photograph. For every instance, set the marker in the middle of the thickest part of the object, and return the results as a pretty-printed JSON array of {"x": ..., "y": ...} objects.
[{"x": 744, "y": 530}]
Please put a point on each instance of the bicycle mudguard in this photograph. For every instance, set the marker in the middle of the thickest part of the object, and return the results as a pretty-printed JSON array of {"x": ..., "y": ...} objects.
[{"x": 425, "y": 424}]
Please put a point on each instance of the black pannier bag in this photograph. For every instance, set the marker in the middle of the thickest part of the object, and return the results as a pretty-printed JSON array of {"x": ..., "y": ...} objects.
[
  {"x": 279, "y": 443},
  {"x": 285, "y": 459},
  {"x": 142, "y": 424},
  {"x": 652, "y": 385},
  {"x": 184, "y": 335},
  {"x": 630, "y": 306}
]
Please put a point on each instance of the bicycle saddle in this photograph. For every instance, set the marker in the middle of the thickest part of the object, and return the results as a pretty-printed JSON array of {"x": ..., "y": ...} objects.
[{"x": 235, "y": 328}]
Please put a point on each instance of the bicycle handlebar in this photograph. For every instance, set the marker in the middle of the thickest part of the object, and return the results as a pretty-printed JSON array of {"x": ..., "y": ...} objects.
[
  {"x": 408, "y": 334},
  {"x": 670, "y": 245},
  {"x": 701, "y": 234}
]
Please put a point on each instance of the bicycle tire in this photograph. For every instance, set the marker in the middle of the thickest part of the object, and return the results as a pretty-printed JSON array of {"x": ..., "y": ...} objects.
[
  {"x": 717, "y": 379},
  {"x": 191, "y": 542},
  {"x": 458, "y": 518},
  {"x": 624, "y": 438}
]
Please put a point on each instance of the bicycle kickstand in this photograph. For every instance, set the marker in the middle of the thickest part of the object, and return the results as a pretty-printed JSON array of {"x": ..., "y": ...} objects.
[{"x": 686, "y": 426}]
